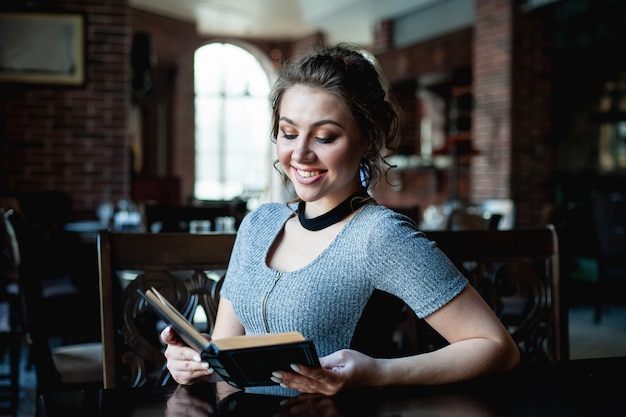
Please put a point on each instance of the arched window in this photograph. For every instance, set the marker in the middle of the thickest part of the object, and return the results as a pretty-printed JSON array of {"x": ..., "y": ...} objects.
[{"x": 233, "y": 157}]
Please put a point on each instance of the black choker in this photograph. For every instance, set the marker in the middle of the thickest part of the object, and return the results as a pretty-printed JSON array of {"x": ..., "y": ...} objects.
[{"x": 335, "y": 215}]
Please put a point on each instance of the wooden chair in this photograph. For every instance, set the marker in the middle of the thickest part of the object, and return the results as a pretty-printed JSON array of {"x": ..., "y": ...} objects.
[
  {"x": 11, "y": 314},
  {"x": 188, "y": 270},
  {"x": 61, "y": 324},
  {"x": 63, "y": 360},
  {"x": 517, "y": 273}
]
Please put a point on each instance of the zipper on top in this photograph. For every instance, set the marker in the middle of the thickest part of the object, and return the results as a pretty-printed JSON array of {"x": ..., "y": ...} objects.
[{"x": 276, "y": 278}]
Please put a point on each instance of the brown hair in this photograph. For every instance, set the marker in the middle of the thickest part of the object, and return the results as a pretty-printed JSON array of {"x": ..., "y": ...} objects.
[{"x": 352, "y": 74}]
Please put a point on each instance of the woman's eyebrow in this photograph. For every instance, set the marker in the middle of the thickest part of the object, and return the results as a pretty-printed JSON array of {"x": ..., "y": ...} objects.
[
  {"x": 328, "y": 122},
  {"x": 315, "y": 124}
]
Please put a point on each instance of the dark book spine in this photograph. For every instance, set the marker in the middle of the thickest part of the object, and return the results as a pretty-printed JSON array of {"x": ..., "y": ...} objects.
[{"x": 220, "y": 362}]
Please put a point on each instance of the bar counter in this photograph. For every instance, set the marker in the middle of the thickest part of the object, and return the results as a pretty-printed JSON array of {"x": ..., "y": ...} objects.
[{"x": 590, "y": 387}]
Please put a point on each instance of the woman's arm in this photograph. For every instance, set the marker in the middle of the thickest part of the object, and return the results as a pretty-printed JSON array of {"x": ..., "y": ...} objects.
[
  {"x": 479, "y": 345},
  {"x": 226, "y": 323}
]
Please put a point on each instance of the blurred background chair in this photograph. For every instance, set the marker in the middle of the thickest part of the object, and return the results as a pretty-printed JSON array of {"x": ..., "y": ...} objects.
[
  {"x": 609, "y": 218},
  {"x": 186, "y": 268},
  {"x": 60, "y": 320},
  {"x": 65, "y": 358},
  {"x": 517, "y": 273},
  {"x": 61, "y": 266},
  {"x": 11, "y": 312}
]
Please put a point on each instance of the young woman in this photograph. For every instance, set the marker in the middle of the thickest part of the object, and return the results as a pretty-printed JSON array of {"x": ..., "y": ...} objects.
[{"x": 312, "y": 264}]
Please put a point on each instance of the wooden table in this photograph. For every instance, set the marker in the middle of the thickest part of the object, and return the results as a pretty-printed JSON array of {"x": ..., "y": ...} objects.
[{"x": 571, "y": 388}]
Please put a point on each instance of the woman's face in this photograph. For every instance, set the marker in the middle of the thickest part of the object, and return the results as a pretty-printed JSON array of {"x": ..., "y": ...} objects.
[{"x": 319, "y": 147}]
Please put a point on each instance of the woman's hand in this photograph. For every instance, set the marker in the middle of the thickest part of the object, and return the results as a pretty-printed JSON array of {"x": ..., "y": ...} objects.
[
  {"x": 184, "y": 363},
  {"x": 340, "y": 370}
]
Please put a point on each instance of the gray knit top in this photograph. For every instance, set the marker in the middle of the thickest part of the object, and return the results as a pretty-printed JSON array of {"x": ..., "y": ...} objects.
[{"x": 377, "y": 249}]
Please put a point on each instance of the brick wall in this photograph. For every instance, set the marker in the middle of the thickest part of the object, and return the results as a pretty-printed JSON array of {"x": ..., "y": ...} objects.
[
  {"x": 402, "y": 67},
  {"x": 511, "y": 125},
  {"x": 73, "y": 139},
  {"x": 76, "y": 139},
  {"x": 533, "y": 152},
  {"x": 492, "y": 87},
  {"x": 509, "y": 54}
]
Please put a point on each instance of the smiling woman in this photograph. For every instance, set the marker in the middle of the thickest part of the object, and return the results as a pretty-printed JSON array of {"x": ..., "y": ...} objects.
[{"x": 232, "y": 124}]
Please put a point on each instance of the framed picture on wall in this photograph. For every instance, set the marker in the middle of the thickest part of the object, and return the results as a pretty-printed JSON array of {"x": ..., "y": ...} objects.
[{"x": 42, "y": 48}]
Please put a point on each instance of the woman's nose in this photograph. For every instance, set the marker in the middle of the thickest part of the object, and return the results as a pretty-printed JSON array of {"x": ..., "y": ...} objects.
[{"x": 302, "y": 152}]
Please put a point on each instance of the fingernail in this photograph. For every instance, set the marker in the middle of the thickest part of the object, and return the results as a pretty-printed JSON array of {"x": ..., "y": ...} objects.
[
  {"x": 197, "y": 358},
  {"x": 276, "y": 380},
  {"x": 205, "y": 365},
  {"x": 168, "y": 330},
  {"x": 295, "y": 367},
  {"x": 278, "y": 375}
]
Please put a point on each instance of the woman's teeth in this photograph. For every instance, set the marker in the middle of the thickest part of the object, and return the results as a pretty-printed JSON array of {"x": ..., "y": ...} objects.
[{"x": 307, "y": 174}]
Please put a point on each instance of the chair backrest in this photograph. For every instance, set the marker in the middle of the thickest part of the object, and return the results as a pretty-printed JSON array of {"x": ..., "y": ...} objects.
[
  {"x": 186, "y": 268},
  {"x": 171, "y": 218},
  {"x": 61, "y": 321},
  {"x": 517, "y": 273}
]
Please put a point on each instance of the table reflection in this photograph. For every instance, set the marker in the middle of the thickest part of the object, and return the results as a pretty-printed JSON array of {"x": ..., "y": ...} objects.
[
  {"x": 193, "y": 402},
  {"x": 581, "y": 388}
]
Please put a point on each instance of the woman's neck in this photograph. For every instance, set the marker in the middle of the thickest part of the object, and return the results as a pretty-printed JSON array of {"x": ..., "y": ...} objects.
[{"x": 335, "y": 215}]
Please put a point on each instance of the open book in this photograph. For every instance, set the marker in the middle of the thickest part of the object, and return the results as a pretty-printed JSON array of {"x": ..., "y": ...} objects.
[{"x": 242, "y": 361}]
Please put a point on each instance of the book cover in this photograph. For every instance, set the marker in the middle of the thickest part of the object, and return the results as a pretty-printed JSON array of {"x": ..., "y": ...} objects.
[{"x": 242, "y": 361}]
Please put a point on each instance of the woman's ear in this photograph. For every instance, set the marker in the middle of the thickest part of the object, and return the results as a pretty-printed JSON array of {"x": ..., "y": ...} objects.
[{"x": 367, "y": 146}]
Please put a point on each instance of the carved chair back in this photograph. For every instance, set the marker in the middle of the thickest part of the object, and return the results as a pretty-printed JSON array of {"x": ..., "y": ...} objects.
[
  {"x": 517, "y": 273},
  {"x": 187, "y": 268}
]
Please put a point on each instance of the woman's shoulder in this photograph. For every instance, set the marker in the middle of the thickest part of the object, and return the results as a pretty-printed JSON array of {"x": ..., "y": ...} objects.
[
  {"x": 385, "y": 218},
  {"x": 375, "y": 224},
  {"x": 272, "y": 208},
  {"x": 268, "y": 213}
]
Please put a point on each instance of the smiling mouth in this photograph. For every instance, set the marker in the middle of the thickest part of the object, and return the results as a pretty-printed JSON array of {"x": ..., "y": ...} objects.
[{"x": 307, "y": 174}]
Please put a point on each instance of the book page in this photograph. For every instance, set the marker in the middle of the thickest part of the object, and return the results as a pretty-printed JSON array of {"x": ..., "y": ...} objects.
[
  {"x": 245, "y": 341},
  {"x": 181, "y": 325}
]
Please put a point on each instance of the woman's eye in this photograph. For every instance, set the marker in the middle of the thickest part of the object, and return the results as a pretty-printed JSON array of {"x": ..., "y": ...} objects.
[
  {"x": 326, "y": 140},
  {"x": 289, "y": 136}
]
